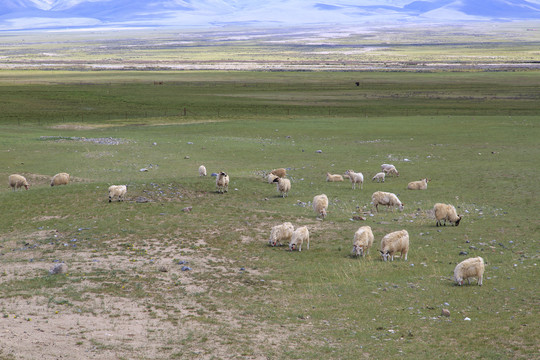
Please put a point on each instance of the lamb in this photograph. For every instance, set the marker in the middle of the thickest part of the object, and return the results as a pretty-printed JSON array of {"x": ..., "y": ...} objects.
[
  {"x": 386, "y": 198},
  {"x": 333, "y": 177},
  {"x": 118, "y": 191},
  {"x": 222, "y": 182},
  {"x": 472, "y": 267},
  {"x": 17, "y": 181},
  {"x": 281, "y": 172},
  {"x": 60, "y": 179},
  {"x": 320, "y": 205},
  {"x": 363, "y": 239},
  {"x": 202, "y": 170},
  {"x": 271, "y": 177},
  {"x": 356, "y": 178},
  {"x": 283, "y": 186},
  {"x": 397, "y": 241},
  {"x": 379, "y": 177},
  {"x": 298, "y": 237},
  {"x": 280, "y": 233},
  {"x": 446, "y": 212},
  {"x": 418, "y": 185}
]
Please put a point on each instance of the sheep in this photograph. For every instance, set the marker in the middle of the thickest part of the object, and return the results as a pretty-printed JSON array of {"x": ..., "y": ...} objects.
[
  {"x": 17, "y": 181},
  {"x": 271, "y": 177},
  {"x": 202, "y": 170},
  {"x": 386, "y": 198},
  {"x": 363, "y": 239},
  {"x": 446, "y": 212},
  {"x": 280, "y": 233},
  {"x": 222, "y": 182},
  {"x": 298, "y": 237},
  {"x": 333, "y": 177},
  {"x": 281, "y": 172},
  {"x": 117, "y": 191},
  {"x": 389, "y": 169},
  {"x": 60, "y": 179},
  {"x": 283, "y": 186},
  {"x": 418, "y": 185},
  {"x": 379, "y": 177},
  {"x": 320, "y": 205},
  {"x": 397, "y": 241},
  {"x": 356, "y": 178},
  {"x": 472, "y": 267}
]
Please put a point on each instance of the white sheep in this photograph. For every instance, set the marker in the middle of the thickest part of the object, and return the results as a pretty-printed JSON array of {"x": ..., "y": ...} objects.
[
  {"x": 333, "y": 177},
  {"x": 17, "y": 181},
  {"x": 60, "y": 179},
  {"x": 271, "y": 177},
  {"x": 281, "y": 233},
  {"x": 389, "y": 169},
  {"x": 397, "y": 241},
  {"x": 356, "y": 178},
  {"x": 379, "y": 177},
  {"x": 117, "y": 191},
  {"x": 320, "y": 205},
  {"x": 281, "y": 172},
  {"x": 363, "y": 240},
  {"x": 472, "y": 267},
  {"x": 418, "y": 185},
  {"x": 283, "y": 186},
  {"x": 222, "y": 182},
  {"x": 202, "y": 170},
  {"x": 446, "y": 212},
  {"x": 299, "y": 236},
  {"x": 386, "y": 198}
]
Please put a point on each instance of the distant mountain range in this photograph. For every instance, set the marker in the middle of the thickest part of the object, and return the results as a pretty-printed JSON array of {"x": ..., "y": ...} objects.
[{"x": 76, "y": 14}]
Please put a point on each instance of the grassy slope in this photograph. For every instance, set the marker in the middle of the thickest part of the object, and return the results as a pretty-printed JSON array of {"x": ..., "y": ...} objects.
[{"x": 332, "y": 305}]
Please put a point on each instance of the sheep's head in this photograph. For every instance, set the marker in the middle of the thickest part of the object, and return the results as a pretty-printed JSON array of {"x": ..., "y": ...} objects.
[
  {"x": 292, "y": 246},
  {"x": 323, "y": 213},
  {"x": 458, "y": 220},
  {"x": 276, "y": 180},
  {"x": 385, "y": 254},
  {"x": 401, "y": 206},
  {"x": 358, "y": 250}
]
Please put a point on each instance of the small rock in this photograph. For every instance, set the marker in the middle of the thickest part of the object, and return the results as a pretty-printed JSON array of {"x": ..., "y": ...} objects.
[
  {"x": 187, "y": 209},
  {"x": 143, "y": 170},
  {"x": 182, "y": 262},
  {"x": 467, "y": 319},
  {"x": 186, "y": 157},
  {"x": 445, "y": 312},
  {"x": 463, "y": 253},
  {"x": 59, "y": 268},
  {"x": 186, "y": 268},
  {"x": 358, "y": 218},
  {"x": 163, "y": 269},
  {"x": 155, "y": 143},
  {"x": 190, "y": 143},
  {"x": 319, "y": 151},
  {"x": 213, "y": 174}
]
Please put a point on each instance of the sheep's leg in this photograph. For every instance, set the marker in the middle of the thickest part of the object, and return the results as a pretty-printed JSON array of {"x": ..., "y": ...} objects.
[
  {"x": 405, "y": 256},
  {"x": 480, "y": 280}
]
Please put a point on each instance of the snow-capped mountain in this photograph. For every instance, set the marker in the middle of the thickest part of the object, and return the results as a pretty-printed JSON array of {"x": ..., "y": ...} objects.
[{"x": 55, "y": 14}]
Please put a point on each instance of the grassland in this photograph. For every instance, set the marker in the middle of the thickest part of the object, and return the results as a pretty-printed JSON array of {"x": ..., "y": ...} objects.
[{"x": 125, "y": 295}]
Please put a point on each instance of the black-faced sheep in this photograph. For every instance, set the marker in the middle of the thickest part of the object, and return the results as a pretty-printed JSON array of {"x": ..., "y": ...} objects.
[
  {"x": 283, "y": 186},
  {"x": 446, "y": 212},
  {"x": 118, "y": 191},
  {"x": 222, "y": 182}
]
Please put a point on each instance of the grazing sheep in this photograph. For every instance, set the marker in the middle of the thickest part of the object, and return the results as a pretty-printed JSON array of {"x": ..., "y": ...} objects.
[
  {"x": 379, "y": 177},
  {"x": 472, "y": 267},
  {"x": 222, "y": 182},
  {"x": 283, "y": 186},
  {"x": 280, "y": 233},
  {"x": 117, "y": 191},
  {"x": 397, "y": 241},
  {"x": 271, "y": 177},
  {"x": 333, "y": 177},
  {"x": 202, "y": 170},
  {"x": 281, "y": 172},
  {"x": 387, "y": 167},
  {"x": 17, "y": 181},
  {"x": 320, "y": 204},
  {"x": 60, "y": 179},
  {"x": 392, "y": 171},
  {"x": 356, "y": 178},
  {"x": 446, "y": 212},
  {"x": 386, "y": 198},
  {"x": 418, "y": 185},
  {"x": 363, "y": 239},
  {"x": 298, "y": 237}
]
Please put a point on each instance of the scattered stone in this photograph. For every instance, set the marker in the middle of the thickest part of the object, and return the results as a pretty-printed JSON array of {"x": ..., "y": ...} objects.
[
  {"x": 186, "y": 268},
  {"x": 319, "y": 151},
  {"x": 154, "y": 143},
  {"x": 358, "y": 218},
  {"x": 445, "y": 312},
  {"x": 143, "y": 170},
  {"x": 163, "y": 269},
  {"x": 187, "y": 209},
  {"x": 59, "y": 268},
  {"x": 186, "y": 157},
  {"x": 190, "y": 143},
  {"x": 467, "y": 319},
  {"x": 213, "y": 174},
  {"x": 463, "y": 253}
]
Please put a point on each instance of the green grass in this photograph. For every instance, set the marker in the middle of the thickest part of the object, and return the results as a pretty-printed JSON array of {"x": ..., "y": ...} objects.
[{"x": 473, "y": 134}]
